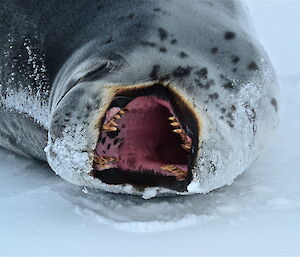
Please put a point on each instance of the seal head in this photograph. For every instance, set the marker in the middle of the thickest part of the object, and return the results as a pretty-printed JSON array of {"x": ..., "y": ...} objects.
[{"x": 141, "y": 96}]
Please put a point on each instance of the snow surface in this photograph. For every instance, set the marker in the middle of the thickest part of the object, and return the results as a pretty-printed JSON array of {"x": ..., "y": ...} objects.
[{"x": 259, "y": 214}]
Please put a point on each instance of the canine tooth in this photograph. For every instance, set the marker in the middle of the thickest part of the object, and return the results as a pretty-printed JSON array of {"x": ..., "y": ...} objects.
[
  {"x": 178, "y": 131},
  {"x": 172, "y": 118},
  {"x": 175, "y": 124}
]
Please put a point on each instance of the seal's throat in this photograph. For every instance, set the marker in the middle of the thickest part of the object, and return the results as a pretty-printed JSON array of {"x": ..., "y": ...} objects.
[{"x": 144, "y": 141}]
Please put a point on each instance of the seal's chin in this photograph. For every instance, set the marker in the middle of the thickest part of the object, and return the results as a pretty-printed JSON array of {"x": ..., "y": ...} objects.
[{"x": 144, "y": 140}]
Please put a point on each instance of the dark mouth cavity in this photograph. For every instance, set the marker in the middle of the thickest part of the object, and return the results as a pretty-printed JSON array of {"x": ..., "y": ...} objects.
[{"x": 148, "y": 137}]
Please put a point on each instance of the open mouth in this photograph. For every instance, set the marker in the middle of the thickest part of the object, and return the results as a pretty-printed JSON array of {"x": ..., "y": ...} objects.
[{"x": 148, "y": 137}]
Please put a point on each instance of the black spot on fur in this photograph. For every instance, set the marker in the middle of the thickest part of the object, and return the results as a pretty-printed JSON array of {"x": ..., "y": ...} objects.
[
  {"x": 235, "y": 59},
  {"x": 206, "y": 85},
  {"x": 230, "y": 124},
  {"x": 252, "y": 66},
  {"x": 156, "y": 9},
  {"x": 251, "y": 114},
  {"x": 154, "y": 72},
  {"x": 234, "y": 69},
  {"x": 173, "y": 41},
  {"x": 230, "y": 116},
  {"x": 202, "y": 73},
  {"x": 182, "y": 71},
  {"x": 212, "y": 167},
  {"x": 228, "y": 85},
  {"x": 229, "y": 35},
  {"x": 183, "y": 54},
  {"x": 163, "y": 49},
  {"x": 108, "y": 146},
  {"x": 149, "y": 44},
  {"x": 223, "y": 110},
  {"x": 163, "y": 34},
  {"x": 274, "y": 103},
  {"x": 214, "y": 50},
  {"x": 199, "y": 84},
  {"x": 213, "y": 96},
  {"x": 232, "y": 108}
]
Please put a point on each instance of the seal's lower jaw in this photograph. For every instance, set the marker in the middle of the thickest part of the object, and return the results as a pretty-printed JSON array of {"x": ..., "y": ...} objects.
[{"x": 147, "y": 138}]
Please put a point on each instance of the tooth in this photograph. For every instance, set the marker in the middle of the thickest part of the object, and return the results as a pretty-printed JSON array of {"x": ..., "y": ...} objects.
[
  {"x": 105, "y": 166},
  {"x": 168, "y": 168},
  {"x": 112, "y": 160},
  {"x": 179, "y": 173},
  {"x": 186, "y": 147},
  {"x": 178, "y": 131},
  {"x": 112, "y": 122},
  {"x": 172, "y": 118},
  {"x": 175, "y": 124},
  {"x": 105, "y": 161},
  {"x": 109, "y": 128},
  {"x": 117, "y": 116},
  {"x": 123, "y": 111}
]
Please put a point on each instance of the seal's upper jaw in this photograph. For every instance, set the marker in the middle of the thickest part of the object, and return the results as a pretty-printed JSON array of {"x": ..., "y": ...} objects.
[{"x": 148, "y": 137}]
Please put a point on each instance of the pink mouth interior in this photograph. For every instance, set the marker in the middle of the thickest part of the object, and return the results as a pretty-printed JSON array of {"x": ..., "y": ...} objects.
[{"x": 145, "y": 140}]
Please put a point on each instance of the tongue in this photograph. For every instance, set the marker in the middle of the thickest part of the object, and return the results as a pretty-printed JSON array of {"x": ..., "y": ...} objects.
[{"x": 144, "y": 140}]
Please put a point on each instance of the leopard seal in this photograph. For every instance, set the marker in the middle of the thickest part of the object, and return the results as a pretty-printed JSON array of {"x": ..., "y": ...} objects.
[{"x": 138, "y": 97}]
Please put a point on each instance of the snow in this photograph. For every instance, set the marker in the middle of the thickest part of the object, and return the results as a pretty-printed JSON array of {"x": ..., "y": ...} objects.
[
  {"x": 31, "y": 105},
  {"x": 259, "y": 214}
]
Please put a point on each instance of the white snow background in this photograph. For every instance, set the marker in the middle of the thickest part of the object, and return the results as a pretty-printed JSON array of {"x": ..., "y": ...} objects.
[{"x": 259, "y": 214}]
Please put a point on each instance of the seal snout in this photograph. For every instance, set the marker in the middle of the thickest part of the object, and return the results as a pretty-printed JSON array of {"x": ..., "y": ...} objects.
[{"x": 145, "y": 140}]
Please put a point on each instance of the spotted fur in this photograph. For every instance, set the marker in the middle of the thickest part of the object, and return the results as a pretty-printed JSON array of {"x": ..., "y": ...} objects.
[{"x": 62, "y": 60}]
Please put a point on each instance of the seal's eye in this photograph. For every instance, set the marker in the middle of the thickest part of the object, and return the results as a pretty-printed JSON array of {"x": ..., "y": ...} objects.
[
  {"x": 143, "y": 142},
  {"x": 98, "y": 72}
]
